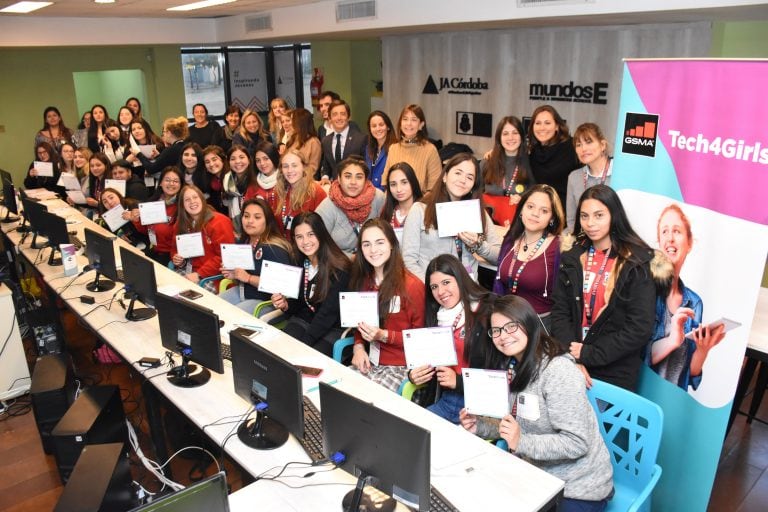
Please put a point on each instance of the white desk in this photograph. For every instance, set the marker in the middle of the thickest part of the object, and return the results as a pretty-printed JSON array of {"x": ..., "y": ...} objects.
[{"x": 467, "y": 470}]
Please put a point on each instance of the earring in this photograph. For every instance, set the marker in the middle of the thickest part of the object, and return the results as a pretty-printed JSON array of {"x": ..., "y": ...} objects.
[{"x": 551, "y": 223}]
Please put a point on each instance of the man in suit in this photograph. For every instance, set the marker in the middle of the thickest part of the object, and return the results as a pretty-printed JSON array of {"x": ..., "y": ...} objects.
[
  {"x": 341, "y": 142},
  {"x": 324, "y": 105}
]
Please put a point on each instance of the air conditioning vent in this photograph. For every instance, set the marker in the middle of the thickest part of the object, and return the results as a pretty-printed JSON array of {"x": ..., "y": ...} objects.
[
  {"x": 258, "y": 23},
  {"x": 355, "y": 10}
]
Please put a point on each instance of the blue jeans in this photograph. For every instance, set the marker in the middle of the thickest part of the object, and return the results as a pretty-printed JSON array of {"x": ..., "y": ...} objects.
[
  {"x": 574, "y": 505},
  {"x": 448, "y": 405},
  {"x": 232, "y": 295}
]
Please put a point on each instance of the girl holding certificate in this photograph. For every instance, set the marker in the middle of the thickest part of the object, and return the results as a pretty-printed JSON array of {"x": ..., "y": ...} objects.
[
  {"x": 352, "y": 199},
  {"x": 261, "y": 232},
  {"x": 530, "y": 251},
  {"x": 239, "y": 184},
  {"x": 453, "y": 299},
  {"x": 198, "y": 219},
  {"x": 421, "y": 241},
  {"x": 379, "y": 267},
  {"x": 403, "y": 191},
  {"x": 605, "y": 297},
  {"x": 297, "y": 190},
  {"x": 111, "y": 198},
  {"x": 315, "y": 314},
  {"x": 161, "y": 235},
  {"x": 44, "y": 152},
  {"x": 551, "y": 423}
]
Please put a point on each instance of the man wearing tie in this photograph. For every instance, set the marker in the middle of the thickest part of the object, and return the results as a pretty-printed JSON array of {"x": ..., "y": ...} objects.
[{"x": 340, "y": 143}]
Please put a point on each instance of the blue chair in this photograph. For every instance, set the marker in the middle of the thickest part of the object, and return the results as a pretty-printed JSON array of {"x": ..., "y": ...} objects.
[
  {"x": 631, "y": 427},
  {"x": 408, "y": 388},
  {"x": 339, "y": 346}
]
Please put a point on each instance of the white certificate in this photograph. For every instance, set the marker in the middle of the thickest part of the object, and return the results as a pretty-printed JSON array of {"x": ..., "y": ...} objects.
[
  {"x": 69, "y": 182},
  {"x": 118, "y": 185},
  {"x": 152, "y": 212},
  {"x": 278, "y": 278},
  {"x": 114, "y": 217},
  {"x": 44, "y": 169},
  {"x": 356, "y": 307},
  {"x": 431, "y": 345},
  {"x": 486, "y": 392},
  {"x": 456, "y": 216},
  {"x": 76, "y": 196},
  {"x": 237, "y": 256},
  {"x": 190, "y": 245},
  {"x": 147, "y": 149}
]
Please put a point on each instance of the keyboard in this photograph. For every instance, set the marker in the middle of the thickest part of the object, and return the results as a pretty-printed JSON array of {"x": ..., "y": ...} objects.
[
  {"x": 226, "y": 352},
  {"x": 439, "y": 503},
  {"x": 312, "y": 442}
]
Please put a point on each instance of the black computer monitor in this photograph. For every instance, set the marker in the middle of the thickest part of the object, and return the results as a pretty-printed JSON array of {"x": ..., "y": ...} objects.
[
  {"x": 192, "y": 331},
  {"x": 9, "y": 197},
  {"x": 273, "y": 386},
  {"x": 100, "y": 251},
  {"x": 55, "y": 228},
  {"x": 379, "y": 448},
  {"x": 204, "y": 496},
  {"x": 33, "y": 212},
  {"x": 140, "y": 284}
]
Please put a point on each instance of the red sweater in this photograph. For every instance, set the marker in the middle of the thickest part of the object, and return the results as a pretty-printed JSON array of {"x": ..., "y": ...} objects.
[
  {"x": 215, "y": 232},
  {"x": 409, "y": 316},
  {"x": 165, "y": 233},
  {"x": 270, "y": 196},
  {"x": 310, "y": 205}
]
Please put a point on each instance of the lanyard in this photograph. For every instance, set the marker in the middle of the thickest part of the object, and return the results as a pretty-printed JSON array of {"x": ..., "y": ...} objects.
[
  {"x": 306, "y": 286},
  {"x": 509, "y": 191},
  {"x": 589, "y": 308},
  {"x": 459, "y": 248},
  {"x": 603, "y": 175},
  {"x": 513, "y": 283}
]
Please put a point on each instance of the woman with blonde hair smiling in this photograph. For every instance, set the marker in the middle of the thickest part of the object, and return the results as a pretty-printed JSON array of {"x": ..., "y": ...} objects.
[{"x": 297, "y": 191}]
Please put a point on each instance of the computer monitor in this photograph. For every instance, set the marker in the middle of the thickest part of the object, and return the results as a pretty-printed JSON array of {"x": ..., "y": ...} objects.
[
  {"x": 273, "y": 386},
  {"x": 140, "y": 284},
  {"x": 192, "y": 331},
  {"x": 9, "y": 197},
  {"x": 381, "y": 449},
  {"x": 204, "y": 496},
  {"x": 55, "y": 228},
  {"x": 33, "y": 212},
  {"x": 100, "y": 251}
]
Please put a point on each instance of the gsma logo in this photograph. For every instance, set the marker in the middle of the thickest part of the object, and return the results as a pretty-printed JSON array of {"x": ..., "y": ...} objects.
[
  {"x": 639, "y": 137},
  {"x": 430, "y": 87}
]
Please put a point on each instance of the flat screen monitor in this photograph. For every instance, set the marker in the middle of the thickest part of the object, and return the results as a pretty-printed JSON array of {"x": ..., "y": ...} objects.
[
  {"x": 33, "y": 211},
  {"x": 204, "y": 496},
  {"x": 140, "y": 284},
  {"x": 388, "y": 452},
  {"x": 273, "y": 386},
  {"x": 55, "y": 228},
  {"x": 192, "y": 331},
  {"x": 100, "y": 251},
  {"x": 9, "y": 197}
]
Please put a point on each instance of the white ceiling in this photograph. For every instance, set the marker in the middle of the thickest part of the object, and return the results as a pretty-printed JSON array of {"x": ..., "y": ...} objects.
[{"x": 151, "y": 8}]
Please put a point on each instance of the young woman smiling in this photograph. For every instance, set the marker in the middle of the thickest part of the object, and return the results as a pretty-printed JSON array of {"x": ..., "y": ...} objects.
[
  {"x": 44, "y": 152},
  {"x": 421, "y": 241},
  {"x": 506, "y": 172},
  {"x": 54, "y": 131},
  {"x": 205, "y": 131},
  {"x": 403, "y": 191},
  {"x": 414, "y": 148},
  {"x": 297, "y": 191},
  {"x": 251, "y": 131},
  {"x": 196, "y": 216},
  {"x": 592, "y": 150},
  {"x": 216, "y": 166},
  {"x": 381, "y": 135},
  {"x": 379, "y": 267},
  {"x": 192, "y": 166},
  {"x": 267, "y": 162},
  {"x": 315, "y": 314},
  {"x": 111, "y": 198},
  {"x": 277, "y": 107},
  {"x": 551, "y": 423},
  {"x": 99, "y": 167},
  {"x": 352, "y": 199},
  {"x": 239, "y": 183},
  {"x": 604, "y": 299},
  {"x": 97, "y": 128},
  {"x": 304, "y": 139}
]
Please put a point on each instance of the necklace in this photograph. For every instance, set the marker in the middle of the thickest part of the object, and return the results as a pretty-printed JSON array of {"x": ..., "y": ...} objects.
[
  {"x": 516, "y": 280},
  {"x": 526, "y": 242},
  {"x": 509, "y": 191},
  {"x": 306, "y": 286}
]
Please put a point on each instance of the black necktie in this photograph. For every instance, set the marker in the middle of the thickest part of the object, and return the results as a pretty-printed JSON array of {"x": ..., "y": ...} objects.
[{"x": 337, "y": 153}]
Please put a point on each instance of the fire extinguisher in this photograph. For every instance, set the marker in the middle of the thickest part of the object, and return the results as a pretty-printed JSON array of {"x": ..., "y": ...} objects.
[{"x": 316, "y": 86}]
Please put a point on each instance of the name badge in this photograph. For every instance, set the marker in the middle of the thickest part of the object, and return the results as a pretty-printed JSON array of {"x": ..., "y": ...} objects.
[
  {"x": 394, "y": 304},
  {"x": 528, "y": 406},
  {"x": 374, "y": 353}
]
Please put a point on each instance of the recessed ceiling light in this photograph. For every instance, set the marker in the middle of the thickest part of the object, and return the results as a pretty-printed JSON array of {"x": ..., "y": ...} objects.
[
  {"x": 25, "y": 7},
  {"x": 104, "y": 1},
  {"x": 199, "y": 5}
]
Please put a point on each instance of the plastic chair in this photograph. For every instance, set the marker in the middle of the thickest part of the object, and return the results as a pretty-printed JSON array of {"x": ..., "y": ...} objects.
[
  {"x": 631, "y": 427},
  {"x": 339, "y": 346},
  {"x": 275, "y": 318},
  {"x": 208, "y": 279},
  {"x": 407, "y": 388},
  {"x": 225, "y": 284}
]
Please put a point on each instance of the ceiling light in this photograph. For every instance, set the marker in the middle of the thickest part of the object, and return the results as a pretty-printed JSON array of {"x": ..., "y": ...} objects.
[
  {"x": 199, "y": 5},
  {"x": 25, "y": 7},
  {"x": 104, "y": 1}
]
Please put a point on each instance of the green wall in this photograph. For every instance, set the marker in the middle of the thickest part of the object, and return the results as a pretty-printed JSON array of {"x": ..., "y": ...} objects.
[
  {"x": 740, "y": 39},
  {"x": 110, "y": 88},
  {"x": 34, "y": 78}
]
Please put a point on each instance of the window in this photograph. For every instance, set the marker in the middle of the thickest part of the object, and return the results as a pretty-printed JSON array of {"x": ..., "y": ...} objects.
[{"x": 204, "y": 80}]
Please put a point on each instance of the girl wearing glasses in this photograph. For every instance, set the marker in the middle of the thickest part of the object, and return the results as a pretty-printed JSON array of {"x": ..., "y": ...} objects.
[
  {"x": 551, "y": 423},
  {"x": 453, "y": 300},
  {"x": 379, "y": 267}
]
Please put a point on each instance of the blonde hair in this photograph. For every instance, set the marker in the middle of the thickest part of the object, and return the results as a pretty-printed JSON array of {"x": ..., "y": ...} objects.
[
  {"x": 301, "y": 191},
  {"x": 178, "y": 126}
]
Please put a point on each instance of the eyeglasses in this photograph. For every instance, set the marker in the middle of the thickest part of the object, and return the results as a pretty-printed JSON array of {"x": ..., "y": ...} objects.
[
  {"x": 170, "y": 181},
  {"x": 509, "y": 328}
]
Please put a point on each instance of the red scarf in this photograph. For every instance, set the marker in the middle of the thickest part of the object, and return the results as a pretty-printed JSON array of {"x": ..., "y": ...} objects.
[{"x": 357, "y": 208}]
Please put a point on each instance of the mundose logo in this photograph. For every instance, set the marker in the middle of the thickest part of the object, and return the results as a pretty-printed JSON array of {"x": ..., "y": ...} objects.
[
  {"x": 455, "y": 85},
  {"x": 640, "y": 134},
  {"x": 595, "y": 93}
]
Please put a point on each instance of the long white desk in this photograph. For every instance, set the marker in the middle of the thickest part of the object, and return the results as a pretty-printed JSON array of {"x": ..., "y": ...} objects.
[{"x": 470, "y": 472}]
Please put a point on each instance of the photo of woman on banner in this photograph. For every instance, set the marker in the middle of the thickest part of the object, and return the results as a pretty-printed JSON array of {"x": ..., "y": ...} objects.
[{"x": 674, "y": 356}]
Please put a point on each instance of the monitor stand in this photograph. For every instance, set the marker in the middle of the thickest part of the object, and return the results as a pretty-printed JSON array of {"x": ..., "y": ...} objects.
[
  {"x": 99, "y": 285},
  {"x": 138, "y": 314},
  {"x": 359, "y": 499},
  {"x": 184, "y": 375},
  {"x": 262, "y": 432},
  {"x": 53, "y": 260},
  {"x": 8, "y": 219}
]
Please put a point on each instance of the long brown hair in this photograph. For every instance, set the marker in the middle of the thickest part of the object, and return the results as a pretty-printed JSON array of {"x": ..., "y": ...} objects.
[
  {"x": 331, "y": 260},
  {"x": 301, "y": 191},
  {"x": 303, "y": 128},
  {"x": 439, "y": 194},
  {"x": 561, "y": 135},
  {"x": 493, "y": 172},
  {"x": 185, "y": 223},
  {"x": 272, "y": 234}
]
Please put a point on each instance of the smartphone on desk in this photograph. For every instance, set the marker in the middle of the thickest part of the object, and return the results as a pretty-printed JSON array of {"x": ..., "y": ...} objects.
[{"x": 190, "y": 294}]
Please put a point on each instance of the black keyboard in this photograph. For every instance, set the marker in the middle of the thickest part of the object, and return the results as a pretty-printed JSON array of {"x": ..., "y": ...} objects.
[
  {"x": 439, "y": 503},
  {"x": 312, "y": 442},
  {"x": 226, "y": 352}
]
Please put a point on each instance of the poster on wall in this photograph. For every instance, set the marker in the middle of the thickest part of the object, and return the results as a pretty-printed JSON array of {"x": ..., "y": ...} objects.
[
  {"x": 248, "y": 80},
  {"x": 691, "y": 168},
  {"x": 285, "y": 76}
]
